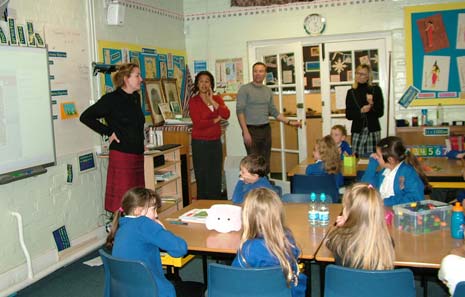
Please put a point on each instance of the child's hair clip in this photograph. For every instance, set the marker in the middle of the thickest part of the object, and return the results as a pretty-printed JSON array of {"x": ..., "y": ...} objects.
[{"x": 120, "y": 209}]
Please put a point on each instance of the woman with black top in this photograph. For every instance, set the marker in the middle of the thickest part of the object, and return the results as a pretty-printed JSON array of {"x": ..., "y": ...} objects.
[
  {"x": 124, "y": 125},
  {"x": 364, "y": 107}
]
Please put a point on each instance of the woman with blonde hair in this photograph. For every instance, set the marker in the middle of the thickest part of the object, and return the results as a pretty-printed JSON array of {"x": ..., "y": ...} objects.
[
  {"x": 327, "y": 160},
  {"x": 124, "y": 127},
  {"x": 361, "y": 239},
  {"x": 266, "y": 241},
  {"x": 364, "y": 107}
]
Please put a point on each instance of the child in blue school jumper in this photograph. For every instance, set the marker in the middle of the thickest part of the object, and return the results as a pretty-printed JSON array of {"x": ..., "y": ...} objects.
[
  {"x": 402, "y": 179},
  {"x": 361, "y": 238},
  {"x": 266, "y": 241},
  {"x": 339, "y": 134},
  {"x": 253, "y": 175},
  {"x": 137, "y": 234},
  {"x": 455, "y": 154},
  {"x": 327, "y": 160}
]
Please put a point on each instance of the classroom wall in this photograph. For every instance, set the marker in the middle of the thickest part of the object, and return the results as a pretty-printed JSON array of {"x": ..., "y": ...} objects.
[
  {"x": 214, "y": 30},
  {"x": 47, "y": 202}
]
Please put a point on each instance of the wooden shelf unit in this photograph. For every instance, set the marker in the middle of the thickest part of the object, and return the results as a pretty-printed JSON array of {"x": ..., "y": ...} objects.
[
  {"x": 414, "y": 135},
  {"x": 171, "y": 188}
]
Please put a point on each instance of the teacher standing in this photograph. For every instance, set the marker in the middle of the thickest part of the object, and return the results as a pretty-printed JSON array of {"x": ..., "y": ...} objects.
[
  {"x": 206, "y": 111},
  {"x": 253, "y": 108},
  {"x": 124, "y": 125},
  {"x": 364, "y": 107}
]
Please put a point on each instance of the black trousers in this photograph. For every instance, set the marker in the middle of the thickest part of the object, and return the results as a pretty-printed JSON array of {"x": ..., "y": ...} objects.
[
  {"x": 208, "y": 162},
  {"x": 261, "y": 142}
]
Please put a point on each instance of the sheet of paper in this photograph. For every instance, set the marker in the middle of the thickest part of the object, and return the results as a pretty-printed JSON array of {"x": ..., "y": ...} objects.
[
  {"x": 97, "y": 261},
  {"x": 341, "y": 93}
]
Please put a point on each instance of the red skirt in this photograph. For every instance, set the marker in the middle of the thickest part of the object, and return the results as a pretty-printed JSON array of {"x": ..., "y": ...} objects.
[{"x": 125, "y": 171}]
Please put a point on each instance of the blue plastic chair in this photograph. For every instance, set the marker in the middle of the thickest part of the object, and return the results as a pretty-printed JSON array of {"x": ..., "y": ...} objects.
[
  {"x": 228, "y": 281},
  {"x": 306, "y": 184},
  {"x": 127, "y": 278},
  {"x": 296, "y": 198},
  {"x": 349, "y": 282},
  {"x": 459, "y": 290}
]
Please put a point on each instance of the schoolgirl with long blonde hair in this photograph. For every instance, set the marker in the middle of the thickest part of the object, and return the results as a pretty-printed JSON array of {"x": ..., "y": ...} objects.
[
  {"x": 327, "y": 160},
  {"x": 266, "y": 241},
  {"x": 361, "y": 239}
]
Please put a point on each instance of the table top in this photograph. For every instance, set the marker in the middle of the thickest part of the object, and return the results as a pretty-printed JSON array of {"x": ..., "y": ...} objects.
[
  {"x": 411, "y": 250},
  {"x": 435, "y": 167},
  {"x": 424, "y": 251},
  {"x": 200, "y": 239}
]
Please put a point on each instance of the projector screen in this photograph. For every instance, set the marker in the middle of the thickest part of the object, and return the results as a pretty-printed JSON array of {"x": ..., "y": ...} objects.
[{"x": 26, "y": 128}]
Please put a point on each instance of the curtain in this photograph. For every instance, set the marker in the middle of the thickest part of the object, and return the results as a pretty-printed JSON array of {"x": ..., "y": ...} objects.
[{"x": 263, "y": 2}]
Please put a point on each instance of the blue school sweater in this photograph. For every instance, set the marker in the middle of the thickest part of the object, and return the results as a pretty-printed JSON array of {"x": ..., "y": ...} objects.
[{"x": 242, "y": 189}]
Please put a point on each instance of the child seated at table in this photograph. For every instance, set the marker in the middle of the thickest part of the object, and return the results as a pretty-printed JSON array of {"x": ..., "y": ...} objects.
[
  {"x": 401, "y": 178},
  {"x": 266, "y": 241},
  {"x": 327, "y": 160},
  {"x": 137, "y": 234},
  {"x": 361, "y": 238},
  {"x": 452, "y": 268},
  {"x": 454, "y": 154},
  {"x": 252, "y": 176},
  {"x": 339, "y": 134}
]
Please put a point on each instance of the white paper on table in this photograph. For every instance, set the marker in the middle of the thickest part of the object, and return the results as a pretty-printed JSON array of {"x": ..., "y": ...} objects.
[{"x": 341, "y": 93}]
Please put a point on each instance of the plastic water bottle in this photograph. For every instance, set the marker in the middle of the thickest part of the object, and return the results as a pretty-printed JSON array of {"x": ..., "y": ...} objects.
[
  {"x": 457, "y": 221},
  {"x": 313, "y": 210},
  {"x": 323, "y": 213}
]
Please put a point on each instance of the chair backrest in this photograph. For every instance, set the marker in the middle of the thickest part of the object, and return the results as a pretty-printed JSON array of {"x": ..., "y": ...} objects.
[
  {"x": 296, "y": 198},
  {"x": 127, "y": 278},
  {"x": 459, "y": 290},
  {"x": 306, "y": 184},
  {"x": 349, "y": 282},
  {"x": 228, "y": 281}
]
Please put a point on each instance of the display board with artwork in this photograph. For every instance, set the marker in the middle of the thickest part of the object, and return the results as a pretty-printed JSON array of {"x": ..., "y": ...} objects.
[{"x": 435, "y": 53}]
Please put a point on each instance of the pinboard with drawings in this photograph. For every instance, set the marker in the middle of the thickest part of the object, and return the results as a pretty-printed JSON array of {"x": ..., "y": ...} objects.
[
  {"x": 435, "y": 53},
  {"x": 26, "y": 127}
]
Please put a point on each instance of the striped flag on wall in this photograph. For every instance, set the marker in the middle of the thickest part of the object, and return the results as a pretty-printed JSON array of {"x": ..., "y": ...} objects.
[{"x": 188, "y": 93}]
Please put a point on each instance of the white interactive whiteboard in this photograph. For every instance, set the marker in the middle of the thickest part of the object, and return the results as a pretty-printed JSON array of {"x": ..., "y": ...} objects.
[{"x": 26, "y": 127}]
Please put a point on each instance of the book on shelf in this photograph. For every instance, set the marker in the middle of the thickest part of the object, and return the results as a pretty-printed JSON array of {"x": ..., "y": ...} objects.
[
  {"x": 164, "y": 176},
  {"x": 195, "y": 215}
]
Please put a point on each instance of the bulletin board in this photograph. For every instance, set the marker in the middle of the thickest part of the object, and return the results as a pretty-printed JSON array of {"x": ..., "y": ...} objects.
[
  {"x": 435, "y": 53},
  {"x": 155, "y": 62}
]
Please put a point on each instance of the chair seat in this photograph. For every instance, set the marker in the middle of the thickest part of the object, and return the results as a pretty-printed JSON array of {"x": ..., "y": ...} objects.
[
  {"x": 228, "y": 281},
  {"x": 306, "y": 184},
  {"x": 349, "y": 282}
]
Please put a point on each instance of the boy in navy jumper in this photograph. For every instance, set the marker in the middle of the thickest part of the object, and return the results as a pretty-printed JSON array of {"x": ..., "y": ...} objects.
[
  {"x": 339, "y": 134},
  {"x": 253, "y": 175}
]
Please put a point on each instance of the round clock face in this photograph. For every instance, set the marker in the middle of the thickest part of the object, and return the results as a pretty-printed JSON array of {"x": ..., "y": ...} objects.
[{"x": 314, "y": 24}]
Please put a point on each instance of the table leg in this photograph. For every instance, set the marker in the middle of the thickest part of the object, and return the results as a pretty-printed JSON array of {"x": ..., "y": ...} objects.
[
  {"x": 322, "y": 268},
  {"x": 205, "y": 270}
]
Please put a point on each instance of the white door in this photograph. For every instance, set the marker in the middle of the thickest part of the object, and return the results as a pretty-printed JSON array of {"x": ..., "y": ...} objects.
[
  {"x": 285, "y": 78},
  {"x": 337, "y": 75}
]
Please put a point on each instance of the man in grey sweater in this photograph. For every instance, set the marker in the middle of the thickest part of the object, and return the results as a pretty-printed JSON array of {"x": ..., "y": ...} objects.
[{"x": 254, "y": 106}]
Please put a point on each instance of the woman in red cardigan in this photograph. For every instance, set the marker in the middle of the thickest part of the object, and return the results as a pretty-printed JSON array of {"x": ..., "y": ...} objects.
[{"x": 206, "y": 111}]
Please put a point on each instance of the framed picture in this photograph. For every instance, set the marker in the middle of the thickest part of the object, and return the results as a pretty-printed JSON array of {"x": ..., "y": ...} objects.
[
  {"x": 176, "y": 109},
  {"x": 154, "y": 95},
  {"x": 171, "y": 91},
  {"x": 166, "y": 111}
]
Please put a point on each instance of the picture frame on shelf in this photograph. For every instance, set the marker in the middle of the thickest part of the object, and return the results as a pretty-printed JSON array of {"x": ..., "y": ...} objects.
[
  {"x": 176, "y": 109},
  {"x": 166, "y": 111},
  {"x": 155, "y": 97},
  {"x": 171, "y": 91}
]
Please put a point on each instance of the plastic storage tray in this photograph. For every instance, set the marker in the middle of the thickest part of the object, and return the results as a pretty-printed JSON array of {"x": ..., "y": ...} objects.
[{"x": 422, "y": 217}]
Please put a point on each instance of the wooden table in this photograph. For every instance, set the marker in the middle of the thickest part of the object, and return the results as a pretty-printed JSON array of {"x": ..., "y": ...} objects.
[
  {"x": 445, "y": 173},
  {"x": 421, "y": 251},
  {"x": 200, "y": 239}
]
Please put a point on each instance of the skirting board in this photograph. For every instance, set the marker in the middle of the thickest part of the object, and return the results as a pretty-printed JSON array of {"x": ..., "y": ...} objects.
[{"x": 16, "y": 279}]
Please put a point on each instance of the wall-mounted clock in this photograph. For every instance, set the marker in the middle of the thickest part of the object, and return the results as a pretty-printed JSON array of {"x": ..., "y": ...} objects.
[{"x": 314, "y": 24}]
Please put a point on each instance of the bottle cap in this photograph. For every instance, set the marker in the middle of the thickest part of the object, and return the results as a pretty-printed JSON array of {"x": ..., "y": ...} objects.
[{"x": 457, "y": 207}]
